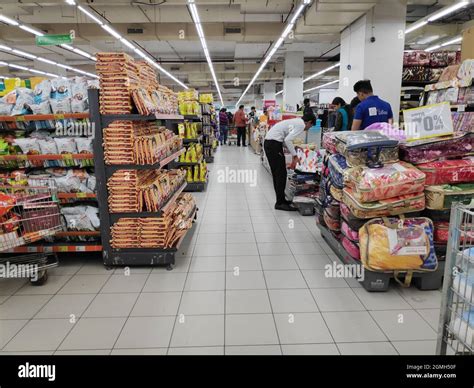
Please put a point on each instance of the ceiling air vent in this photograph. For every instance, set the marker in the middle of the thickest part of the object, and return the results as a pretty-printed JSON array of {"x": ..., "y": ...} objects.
[
  {"x": 134, "y": 30},
  {"x": 232, "y": 30}
]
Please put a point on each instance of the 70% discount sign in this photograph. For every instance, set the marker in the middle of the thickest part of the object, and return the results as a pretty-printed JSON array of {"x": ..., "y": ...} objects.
[{"x": 428, "y": 121}]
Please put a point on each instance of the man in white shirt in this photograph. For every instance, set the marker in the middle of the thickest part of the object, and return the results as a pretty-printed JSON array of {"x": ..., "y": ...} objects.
[{"x": 284, "y": 132}]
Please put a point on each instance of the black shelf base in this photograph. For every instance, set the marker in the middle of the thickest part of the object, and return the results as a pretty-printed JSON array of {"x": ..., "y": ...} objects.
[{"x": 380, "y": 281}]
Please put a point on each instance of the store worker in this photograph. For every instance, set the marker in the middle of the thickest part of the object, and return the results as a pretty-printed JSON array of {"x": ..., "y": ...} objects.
[
  {"x": 284, "y": 132},
  {"x": 223, "y": 125},
  {"x": 343, "y": 115},
  {"x": 240, "y": 122},
  {"x": 371, "y": 109}
]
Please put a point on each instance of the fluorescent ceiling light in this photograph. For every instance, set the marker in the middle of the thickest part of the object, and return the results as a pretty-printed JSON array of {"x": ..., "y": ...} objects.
[
  {"x": 447, "y": 11},
  {"x": 5, "y": 48},
  {"x": 280, "y": 92},
  {"x": 22, "y": 53},
  {"x": 428, "y": 39},
  {"x": 17, "y": 66},
  {"x": 46, "y": 61},
  {"x": 297, "y": 13},
  {"x": 3, "y": 63},
  {"x": 321, "y": 72},
  {"x": 321, "y": 86},
  {"x": 89, "y": 14},
  {"x": 111, "y": 31},
  {"x": 66, "y": 46},
  {"x": 127, "y": 43},
  {"x": 452, "y": 41},
  {"x": 416, "y": 26},
  {"x": 71, "y": 2},
  {"x": 31, "y": 30},
  {"x": 8, "y": 20},
  {"x": 432, "y": 48},
  {"x": 197, "y": 23}
]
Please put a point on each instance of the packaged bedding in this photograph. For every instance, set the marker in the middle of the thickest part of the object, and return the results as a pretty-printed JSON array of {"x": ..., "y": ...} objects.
[
  {"x": 337, "y": 168},
  {"x": 353, "y": 222},
  {"x": 392, "y": 244},
  {"x": 329, "y": 142},
  {"x": 444, "y": 196},
  {"x": 386, "y": 207},
  {"x": 366, "y": 148},
  {"x": 350, "y": 233},
  {"x": 336, "y": 193},
  {"x": 351, "y": 247},
  {"x": 429, "y": 150},
  {"x": 448, "y": 171},
  {"x": 388, "y": 130},
  {"x": 389, "y": 181}
]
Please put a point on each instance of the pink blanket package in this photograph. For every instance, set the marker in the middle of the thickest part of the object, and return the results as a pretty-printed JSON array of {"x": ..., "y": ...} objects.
[{"x": 448, "y": 171}]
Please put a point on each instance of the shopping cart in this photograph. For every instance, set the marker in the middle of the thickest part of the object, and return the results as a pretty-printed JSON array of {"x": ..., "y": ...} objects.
[
  {"x": 28, "y": 214},
  {"x": 456, "y": 325},
  {"x": 232, "y": 135}
]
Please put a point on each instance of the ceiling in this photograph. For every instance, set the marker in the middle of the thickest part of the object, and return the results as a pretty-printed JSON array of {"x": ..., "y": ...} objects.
[{"x": 238, "y": 34}]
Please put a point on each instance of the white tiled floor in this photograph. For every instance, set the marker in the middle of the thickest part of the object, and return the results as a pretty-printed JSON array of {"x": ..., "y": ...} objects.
[{"x": 248, "y": 280}]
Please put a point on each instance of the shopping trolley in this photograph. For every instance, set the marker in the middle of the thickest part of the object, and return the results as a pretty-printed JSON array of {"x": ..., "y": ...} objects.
[
  {"x": 232, "y": 135},
  {"x": 28, "y": 214},
  {"x": 456, "y": 324}
]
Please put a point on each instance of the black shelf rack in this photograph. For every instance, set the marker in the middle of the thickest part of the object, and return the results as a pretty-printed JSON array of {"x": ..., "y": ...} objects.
[{"x": 127, "y": 256}]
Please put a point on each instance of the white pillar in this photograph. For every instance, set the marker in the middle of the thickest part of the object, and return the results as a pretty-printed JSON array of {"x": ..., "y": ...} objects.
[
  {"x": 269, "y": 90},
  {"x": 380, "y": 61},
  {"x": 293, "y": 81}
]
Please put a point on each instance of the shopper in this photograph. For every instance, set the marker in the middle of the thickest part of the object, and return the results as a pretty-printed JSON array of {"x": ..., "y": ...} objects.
[
  {"x": 223, "y": 125},
  {"x": 240, "y": 121},
  {"x": 264, "y": 116},
  {"x": 284, "y": 132},
  {"x": 252, "y": 115},
  {"x": 307, "y": 110},
  {"x": 343, "y": 115},
  {"x": 372, "y": 109}
]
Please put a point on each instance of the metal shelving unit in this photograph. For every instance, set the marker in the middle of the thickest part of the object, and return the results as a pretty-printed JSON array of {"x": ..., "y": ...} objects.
[{"x": 127, "y": 256}]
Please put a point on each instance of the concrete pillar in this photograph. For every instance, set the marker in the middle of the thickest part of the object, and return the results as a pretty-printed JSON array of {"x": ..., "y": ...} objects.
[
  {"x": 380, "y": 60},
  {"x": 269, "y": 90},
  {"x": 293, "y": 80},
  {"x": 467, "y": 50}
]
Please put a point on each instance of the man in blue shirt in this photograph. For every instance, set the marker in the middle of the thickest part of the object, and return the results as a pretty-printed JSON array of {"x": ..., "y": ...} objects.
[{"x": 371, "y": 109}]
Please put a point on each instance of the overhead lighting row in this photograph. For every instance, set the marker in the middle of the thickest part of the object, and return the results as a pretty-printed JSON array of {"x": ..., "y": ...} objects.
[
  {"x": 315, "y": 75},
  {"x": 436, "y": 15},
  {"x": 36, "y": 32},
  {"x": 44, "y": 60},
  {"x": 456, "y": 40},
  {"x": 105, "y": 26},
  {"x": 276, "y": 45},
  {"x": 202, "y": 38},
  {"x": 24, "y": 68},
  {"x": 321, "y": 86}
]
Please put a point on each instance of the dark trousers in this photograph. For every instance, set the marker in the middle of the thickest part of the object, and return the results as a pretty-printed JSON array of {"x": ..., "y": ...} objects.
[
  {"x": 276, "y": 160},
  {"x": 224, "y": 130},
  {"x": 241, "y": 134}
]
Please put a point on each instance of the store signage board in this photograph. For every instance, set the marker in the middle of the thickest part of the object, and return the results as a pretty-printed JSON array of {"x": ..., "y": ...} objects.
[
  {"x": 269, "y": 103},
  {"x": 53, "y": 40},
  {"x": 428, "y": 121}
]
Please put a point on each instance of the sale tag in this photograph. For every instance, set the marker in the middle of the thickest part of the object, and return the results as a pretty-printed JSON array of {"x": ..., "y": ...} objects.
[
  {"x": 67, "y": 156},
  {"x": 461, "y": 108},
  {"x": 59, "y": 117},
  {"x": 20, "y": 118},
  {"x": 428, "y": 121},
  {"x": 81, "y": 195},
  {"x": 80, "y": 249}
]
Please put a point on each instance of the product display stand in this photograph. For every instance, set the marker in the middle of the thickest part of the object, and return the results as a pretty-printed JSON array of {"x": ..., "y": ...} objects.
[
  {"x": 128, "y": 256},
  {"x": 207, "y": 132},
  {"x": 379, "y": 281}
]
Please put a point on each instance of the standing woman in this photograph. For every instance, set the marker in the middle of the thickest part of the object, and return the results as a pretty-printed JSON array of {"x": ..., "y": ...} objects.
[
  {"x": 343, "y": 115},
  {"x": 223, "y": 125}
]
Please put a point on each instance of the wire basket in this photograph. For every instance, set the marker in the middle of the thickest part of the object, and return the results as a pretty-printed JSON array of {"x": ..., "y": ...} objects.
[
  {"x": 456, "y": 327},
  {"x": 28, "y": 213}
]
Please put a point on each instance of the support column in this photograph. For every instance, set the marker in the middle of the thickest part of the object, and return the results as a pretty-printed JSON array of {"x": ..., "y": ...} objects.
[
  {"x": 293, "y": 81},
  {"x": 379, "y": 60},
  {"x": 269, "y": 90}
]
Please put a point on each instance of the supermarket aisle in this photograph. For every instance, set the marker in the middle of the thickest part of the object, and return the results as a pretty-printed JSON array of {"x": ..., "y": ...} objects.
[{"x": 250, "y": 280}]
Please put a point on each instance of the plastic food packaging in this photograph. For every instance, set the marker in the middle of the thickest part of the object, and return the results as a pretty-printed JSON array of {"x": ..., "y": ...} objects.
[
  {"x": 386, "y": 207},
  {"x": 389, "y": 181},
  {"x": 393, "y": 244},
  {"x": 48, "y": 147},
  {"x": 366, "y": 148},
  {"x": 429, "y": 150},
  {"x": 444, "y": 196}
]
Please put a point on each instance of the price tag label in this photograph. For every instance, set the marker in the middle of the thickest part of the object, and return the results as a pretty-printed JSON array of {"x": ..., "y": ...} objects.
[
  {"x": 81, "y": 249},
  {"x": 62, "y": 248},
  {"x": 67, "y": 157},
  {"x": 31, "y": 249},
  {"x": 461, "y": 108},
  {"x": 48, "y": 249},
  {"x": 81, "y": 195},
  {"x": 59, "y": 117},
  {"x": 20, "y": 118},
  {"x": 428, "y": 121}
]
